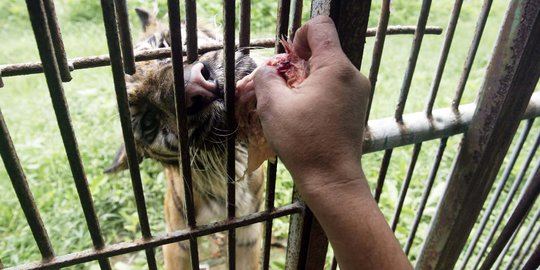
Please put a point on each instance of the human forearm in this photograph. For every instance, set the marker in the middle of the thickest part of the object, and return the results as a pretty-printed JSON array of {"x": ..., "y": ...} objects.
[{"x": 355, "y": 227}]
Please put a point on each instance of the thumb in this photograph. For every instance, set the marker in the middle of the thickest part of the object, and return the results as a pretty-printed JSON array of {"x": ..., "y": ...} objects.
[{"x": 269, "y": 86}]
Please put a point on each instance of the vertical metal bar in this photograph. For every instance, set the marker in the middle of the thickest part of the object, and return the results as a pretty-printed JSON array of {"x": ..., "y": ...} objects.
[
  {"x": 1, "y": 81},
  {"x": 526, "y": 202},
  {"x": 20, "y": 185},
  {"x": 405, "y": 185},
  {"x": 500, "y": 187},
  {"x": 505, "y": 250},
  {"x": 245, "y": 26},
  {"x": 520, "y": 245},
  {"x": 296, "y": 13},
  {"x": 425, "y": 195},
  {"x": 376, "y": 56},
  {"x": 229, "y": 18},
  {"x": 415, "y": 50},
  {"x": 47, "y": 55},
  {"x": 334, "y": 264},
  {"x": 284, "y": 8},
  {"x": 113, "y": 44},
  {"x": 126, "y": 43},
  {"x": 508, "y": 85},
  {"x": 382, "y": 174},
  {"x": 181, "y": 121},
  {"x": 191, "y": 30},
  {"x": 534, "y": 259},
  {"x": 58, "y": 43},
  {"x": 534, "y": 237},
  {"x": 478, "y": 31},
  {"x": 508, "y": 201},
  {"x": 270, "y": 198},
  {"x": 456, "y": 9}
]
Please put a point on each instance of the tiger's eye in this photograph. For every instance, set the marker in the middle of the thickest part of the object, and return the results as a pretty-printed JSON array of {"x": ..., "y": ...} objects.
[{"x": 149, "y": 125}]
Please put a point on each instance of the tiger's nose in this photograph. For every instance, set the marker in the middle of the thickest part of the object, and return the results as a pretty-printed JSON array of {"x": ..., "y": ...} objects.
[{"x": 200, "y": 89}]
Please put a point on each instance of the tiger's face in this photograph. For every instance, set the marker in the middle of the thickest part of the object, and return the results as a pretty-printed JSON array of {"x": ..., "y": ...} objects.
[{"x": 152, "y": 103}]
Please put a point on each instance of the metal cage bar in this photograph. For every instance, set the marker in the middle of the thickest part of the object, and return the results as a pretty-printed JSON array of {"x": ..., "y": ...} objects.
[
  {"x": 58, "y": 43},
  {"x": 104, "y": 60},
  {"x": 510, "y": 196},
  {"x": 229, "y": 17},
  {"x": 425, "y": 194},
  {"x": 117, "y": 67},
  {"x": 244, "y": 35},
  {"x": 182, "y": 235},
  {"x": 500, "y": 187},
  {"x": 24, "y": 195},
  {"x": 515, "y": 64},
  {"x": 270, "y": 198},
  {"x": 527, "y": 247},
  {"x": 376, "y": 55},
  {"x": 534, "y": 260},
  {"x": 296, "y": 13},
  {"x": 38, "y": 20},
  {"x": 126, "y": 44},
  {"x": 521, "y": 244},
  {"x": 181, "y": 122},
  {"x": 450, "y": 30},
  {"x": 413, "y": 58},
  {"x": 191, "y": 30},
  {"x": 478, "y": 32},
  {"x": 405, "y": 185},
  {"x": 526, "y": 202}
]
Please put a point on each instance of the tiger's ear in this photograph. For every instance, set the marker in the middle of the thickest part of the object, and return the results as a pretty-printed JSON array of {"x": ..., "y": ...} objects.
[
  {"x": 148, "y": 19},
  {"x": 120, "y": 161}
]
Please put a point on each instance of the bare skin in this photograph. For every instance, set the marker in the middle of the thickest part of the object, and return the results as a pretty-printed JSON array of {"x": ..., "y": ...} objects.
[{"x": 317, "y": 129}]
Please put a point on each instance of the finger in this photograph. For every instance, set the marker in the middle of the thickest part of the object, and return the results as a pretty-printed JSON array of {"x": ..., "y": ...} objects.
[
  {"x": 269, "y": 86},
  {"x": 317, "y": 38}
]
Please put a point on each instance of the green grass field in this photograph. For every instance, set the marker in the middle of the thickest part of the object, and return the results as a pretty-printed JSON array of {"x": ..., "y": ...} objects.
[{"x": 26, "y": 106}]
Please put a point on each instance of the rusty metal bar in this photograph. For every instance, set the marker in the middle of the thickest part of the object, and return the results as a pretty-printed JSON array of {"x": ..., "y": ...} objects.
[
  {"x": 382, "y": 172},
  {"x": 191, "y": 30},
  {"x": 508, "y": 201},
  {"x": 126, "y": 44},
  {"x": 229, "y": 17},
  {"x": 451, "y": 28},
  {"x": 425, "y": 195},
  {"x": 526, "y": 202},
  {"x": 20, "y": 185},
  {"x": 58, "y": 43},
  {"x": 500, "y": 187},
  {"x": 534, "y": 260},
  {"x": 478, "y": 31},
  {"x": 405, "y": 185},
  {"x": 413, "y": 58},
  {"x": 270, "y": 198},
  {"x": 296, "y": 13},
  {"x": 137, "y": 245},
  {"x": 284, "y": 8},
  {"x": 528, "y": 246},
  {"x": 103, "y": 60},
  {"x": 508, "y": 85},
  {"x": 181, "y": 122},
  {"x": 115, "y": 51},
  {"x": 244, "y": 34},
  {"x": 519, "y": 246},
  {"x": 376, "y": 56},
  {"x": 47, "y": 55}
]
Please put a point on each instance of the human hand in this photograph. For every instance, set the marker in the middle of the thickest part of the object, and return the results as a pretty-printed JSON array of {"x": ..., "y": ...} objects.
[{"x": 317, "y": 127}]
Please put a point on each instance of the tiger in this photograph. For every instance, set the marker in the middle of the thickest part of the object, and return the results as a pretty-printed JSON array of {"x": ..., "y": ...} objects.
[{"x": 151, "y": 103}]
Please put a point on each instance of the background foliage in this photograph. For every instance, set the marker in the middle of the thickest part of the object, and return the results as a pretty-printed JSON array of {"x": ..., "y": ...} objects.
[{"x": 26, "y": 106}]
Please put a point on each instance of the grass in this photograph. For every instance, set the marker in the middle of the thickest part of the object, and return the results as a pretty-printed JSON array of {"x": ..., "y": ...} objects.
[{"x": 26, "y": 106}]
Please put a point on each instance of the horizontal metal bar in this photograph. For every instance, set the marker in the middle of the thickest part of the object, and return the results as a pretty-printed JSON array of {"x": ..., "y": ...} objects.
[
  {"x": 103, "y": 60},
  {"x": 386, "y": 133},
  {"x": 181, "y": 235}
]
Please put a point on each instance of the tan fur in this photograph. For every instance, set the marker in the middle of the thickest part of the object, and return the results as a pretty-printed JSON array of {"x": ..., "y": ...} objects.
[{"x": 152, "y": 107}]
